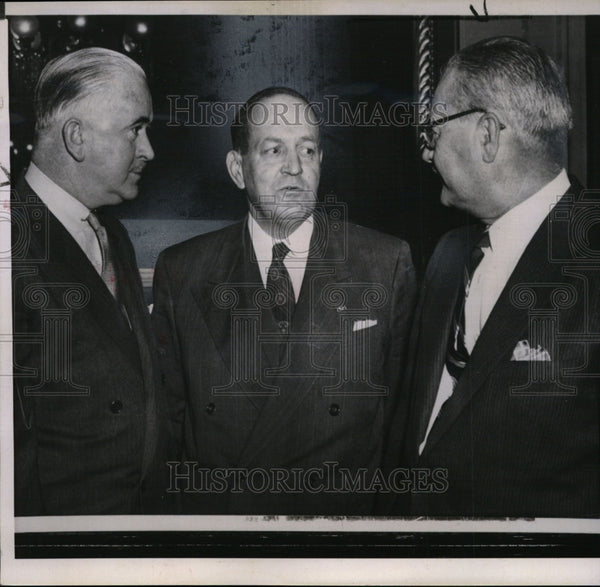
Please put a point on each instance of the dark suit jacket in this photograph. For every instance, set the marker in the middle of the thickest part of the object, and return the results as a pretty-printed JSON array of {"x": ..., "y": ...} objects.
[
  {"x": 246, "y": 395},
  {"x": 90, "y": 422},
  {"x": 517, "y": 438}
]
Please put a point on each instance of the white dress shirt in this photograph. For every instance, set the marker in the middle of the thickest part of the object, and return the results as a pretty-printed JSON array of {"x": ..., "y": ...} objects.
[
  {"x": 69, "y": 211},
  {"x": 509, "y": 236},
  {"x": 295, "y": 261}
]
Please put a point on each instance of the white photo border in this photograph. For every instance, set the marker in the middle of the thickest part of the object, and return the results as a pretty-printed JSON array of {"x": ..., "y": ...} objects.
[{"x": 350, "y": 569}]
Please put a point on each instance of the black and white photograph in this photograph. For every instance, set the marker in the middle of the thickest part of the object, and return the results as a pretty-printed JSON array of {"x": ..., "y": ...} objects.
[{"x": 299, "y": 292}]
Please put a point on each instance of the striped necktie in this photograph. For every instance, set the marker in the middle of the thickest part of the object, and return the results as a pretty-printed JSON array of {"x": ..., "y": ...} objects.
[
  {"x": 108, "y": 274},
  {"x": 457, "y": 354},
  {"x": 279, "y": 282}
]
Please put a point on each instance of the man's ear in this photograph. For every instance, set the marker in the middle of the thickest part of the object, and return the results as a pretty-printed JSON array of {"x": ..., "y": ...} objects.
[
  {"x": 73, "y": 139},
  {"x": 490, "y": 128},
  {"x": 234, "y": 166}
]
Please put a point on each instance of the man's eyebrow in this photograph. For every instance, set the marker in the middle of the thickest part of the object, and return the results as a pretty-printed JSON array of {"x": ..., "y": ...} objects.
[
  {"x": 300, "y": 140},
  {"x": 141, "y": 120}
]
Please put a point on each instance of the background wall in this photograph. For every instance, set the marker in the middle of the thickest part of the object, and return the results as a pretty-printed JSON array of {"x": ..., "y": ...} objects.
[{"x": 373, "y": 166}]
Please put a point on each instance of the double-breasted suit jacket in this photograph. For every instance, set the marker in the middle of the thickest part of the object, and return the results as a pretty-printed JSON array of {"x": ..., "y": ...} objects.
[
  {"x": 255, "y": 402},
  {"x": 520, "y": 434},
  {"x": 90, "y": 427}
]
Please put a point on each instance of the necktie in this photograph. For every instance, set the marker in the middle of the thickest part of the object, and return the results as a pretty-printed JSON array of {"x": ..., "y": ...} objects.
[
  {"x": 108, "y": 274},
  {"x": 457, "y": 354},
  {"x": 279, "y": 282}
]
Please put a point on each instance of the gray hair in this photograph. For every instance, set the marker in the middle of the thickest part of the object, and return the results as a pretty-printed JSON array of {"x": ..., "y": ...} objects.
[
  {"x": 522, "y": 84},
  {"x": 75, "y": 76}
]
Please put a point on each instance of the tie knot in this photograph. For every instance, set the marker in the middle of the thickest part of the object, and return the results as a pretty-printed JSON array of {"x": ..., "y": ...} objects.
[
  {"x": 280, "y": 250},
  {"x": 94, "y": 222},
  {"x": 484, "y": 240},
  {"x": 477, "y": 255}
]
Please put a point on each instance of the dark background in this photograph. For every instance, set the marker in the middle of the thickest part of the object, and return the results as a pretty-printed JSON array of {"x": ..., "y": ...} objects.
[{"x": 375, "y": 169}]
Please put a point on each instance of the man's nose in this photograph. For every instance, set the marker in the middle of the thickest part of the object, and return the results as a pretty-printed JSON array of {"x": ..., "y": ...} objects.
[
  {"x": 145, "y": 150},
  {"x": 292, "y": 164}
]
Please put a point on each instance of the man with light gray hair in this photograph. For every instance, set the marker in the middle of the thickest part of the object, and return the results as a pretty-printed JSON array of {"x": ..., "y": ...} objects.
[
  {"x": 89, "y": 424},
  {"x": 503, "y": 382}
]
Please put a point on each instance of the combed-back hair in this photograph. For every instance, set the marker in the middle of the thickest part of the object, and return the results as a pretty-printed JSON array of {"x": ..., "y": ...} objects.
[
  {"x": 75, "y": 76},
  {"x": 521, "y": 84}
]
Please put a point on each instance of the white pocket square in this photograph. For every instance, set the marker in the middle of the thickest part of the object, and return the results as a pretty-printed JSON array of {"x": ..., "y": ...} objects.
[
  {"x": 362, "y": 324},
  {"x": 524, "y": 352}
]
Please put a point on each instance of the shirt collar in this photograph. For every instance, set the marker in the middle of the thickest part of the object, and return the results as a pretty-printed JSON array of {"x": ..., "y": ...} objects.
[
  {"x": 520, "y": 223},
  {"x": 298, "y": 241},
  {"x": 69, "y": 210}
]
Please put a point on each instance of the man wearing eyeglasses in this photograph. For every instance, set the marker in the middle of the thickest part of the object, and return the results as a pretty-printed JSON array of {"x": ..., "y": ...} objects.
[{"x": 503, "y": 387}]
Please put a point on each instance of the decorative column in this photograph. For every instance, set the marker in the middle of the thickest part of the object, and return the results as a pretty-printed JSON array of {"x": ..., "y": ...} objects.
[{"x": 425, "y": 72}]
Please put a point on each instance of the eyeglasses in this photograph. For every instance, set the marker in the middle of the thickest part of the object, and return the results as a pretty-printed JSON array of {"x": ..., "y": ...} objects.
[{"x": 431, "y": 137}]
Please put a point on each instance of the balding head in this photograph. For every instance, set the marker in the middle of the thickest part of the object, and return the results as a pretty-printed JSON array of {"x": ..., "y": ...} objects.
[{"x": 69, "y": 79}]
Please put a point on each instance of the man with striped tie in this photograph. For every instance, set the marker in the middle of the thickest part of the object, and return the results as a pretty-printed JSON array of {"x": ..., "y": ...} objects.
[
  {"x": 282, "y": 336},
  {"x": 90, "y": 422},
  {"x": 503, "y": 383}
]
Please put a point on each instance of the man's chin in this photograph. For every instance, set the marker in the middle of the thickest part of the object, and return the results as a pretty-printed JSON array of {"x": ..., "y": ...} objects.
[
  {"x": 288, "y": 217},
  {"x": 129, "y": 194},
  {"x": 447, "y": 197}
]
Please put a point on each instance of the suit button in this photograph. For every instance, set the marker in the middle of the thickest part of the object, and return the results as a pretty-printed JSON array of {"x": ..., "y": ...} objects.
[
  {"x": 334, "y": 409},
  {"x": 283, "y": 325},
  {"x": 210, "y": 408},
  {"x": 116, "y": 406}
]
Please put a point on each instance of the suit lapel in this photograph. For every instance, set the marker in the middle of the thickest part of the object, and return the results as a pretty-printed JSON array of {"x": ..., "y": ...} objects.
[
  {"x": 507, "y": 323},
  {"x": 68, "y": 264},
  {"x": 311, "y": 317},
  {"x": 433, "y": 330},
  {"x": 131, "y": 297},
  {"x": 236, "y": 279}
]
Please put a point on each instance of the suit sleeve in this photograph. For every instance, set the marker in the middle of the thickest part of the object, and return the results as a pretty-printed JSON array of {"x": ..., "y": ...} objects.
[
  {"x": 28, "y": 495},
  {"x": 165, "y": 328},
  {"x": 27, "y": 487},
  {"x": 404, "y": 290},
  {"x": 395, "y": 448},
  {"x": 416, "y": 323}
]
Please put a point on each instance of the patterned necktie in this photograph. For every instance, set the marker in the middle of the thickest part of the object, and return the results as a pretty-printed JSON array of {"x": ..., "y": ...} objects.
[
  {"x": 457, "y": 354},
  {"x": 108, "y": 274},
  {"x": 279, "y": 282}
]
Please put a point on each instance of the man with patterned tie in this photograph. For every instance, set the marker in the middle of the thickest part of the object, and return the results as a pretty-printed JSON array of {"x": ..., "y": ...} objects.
[
  {"x": 283, "y": 335},
  {"x": 503, "y": 382},
  {"x": 90, "y": 421}
]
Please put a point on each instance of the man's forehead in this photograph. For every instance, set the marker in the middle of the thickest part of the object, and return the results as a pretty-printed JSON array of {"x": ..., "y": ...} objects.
[
  {"x": 120, "y": 106},
  {"x": 281, "y": 110},
  {"x": 444, "y": 90}
]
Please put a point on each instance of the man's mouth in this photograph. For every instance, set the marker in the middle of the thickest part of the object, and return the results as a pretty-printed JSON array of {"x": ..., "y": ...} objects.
[{"x": 296, "y": 189}]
